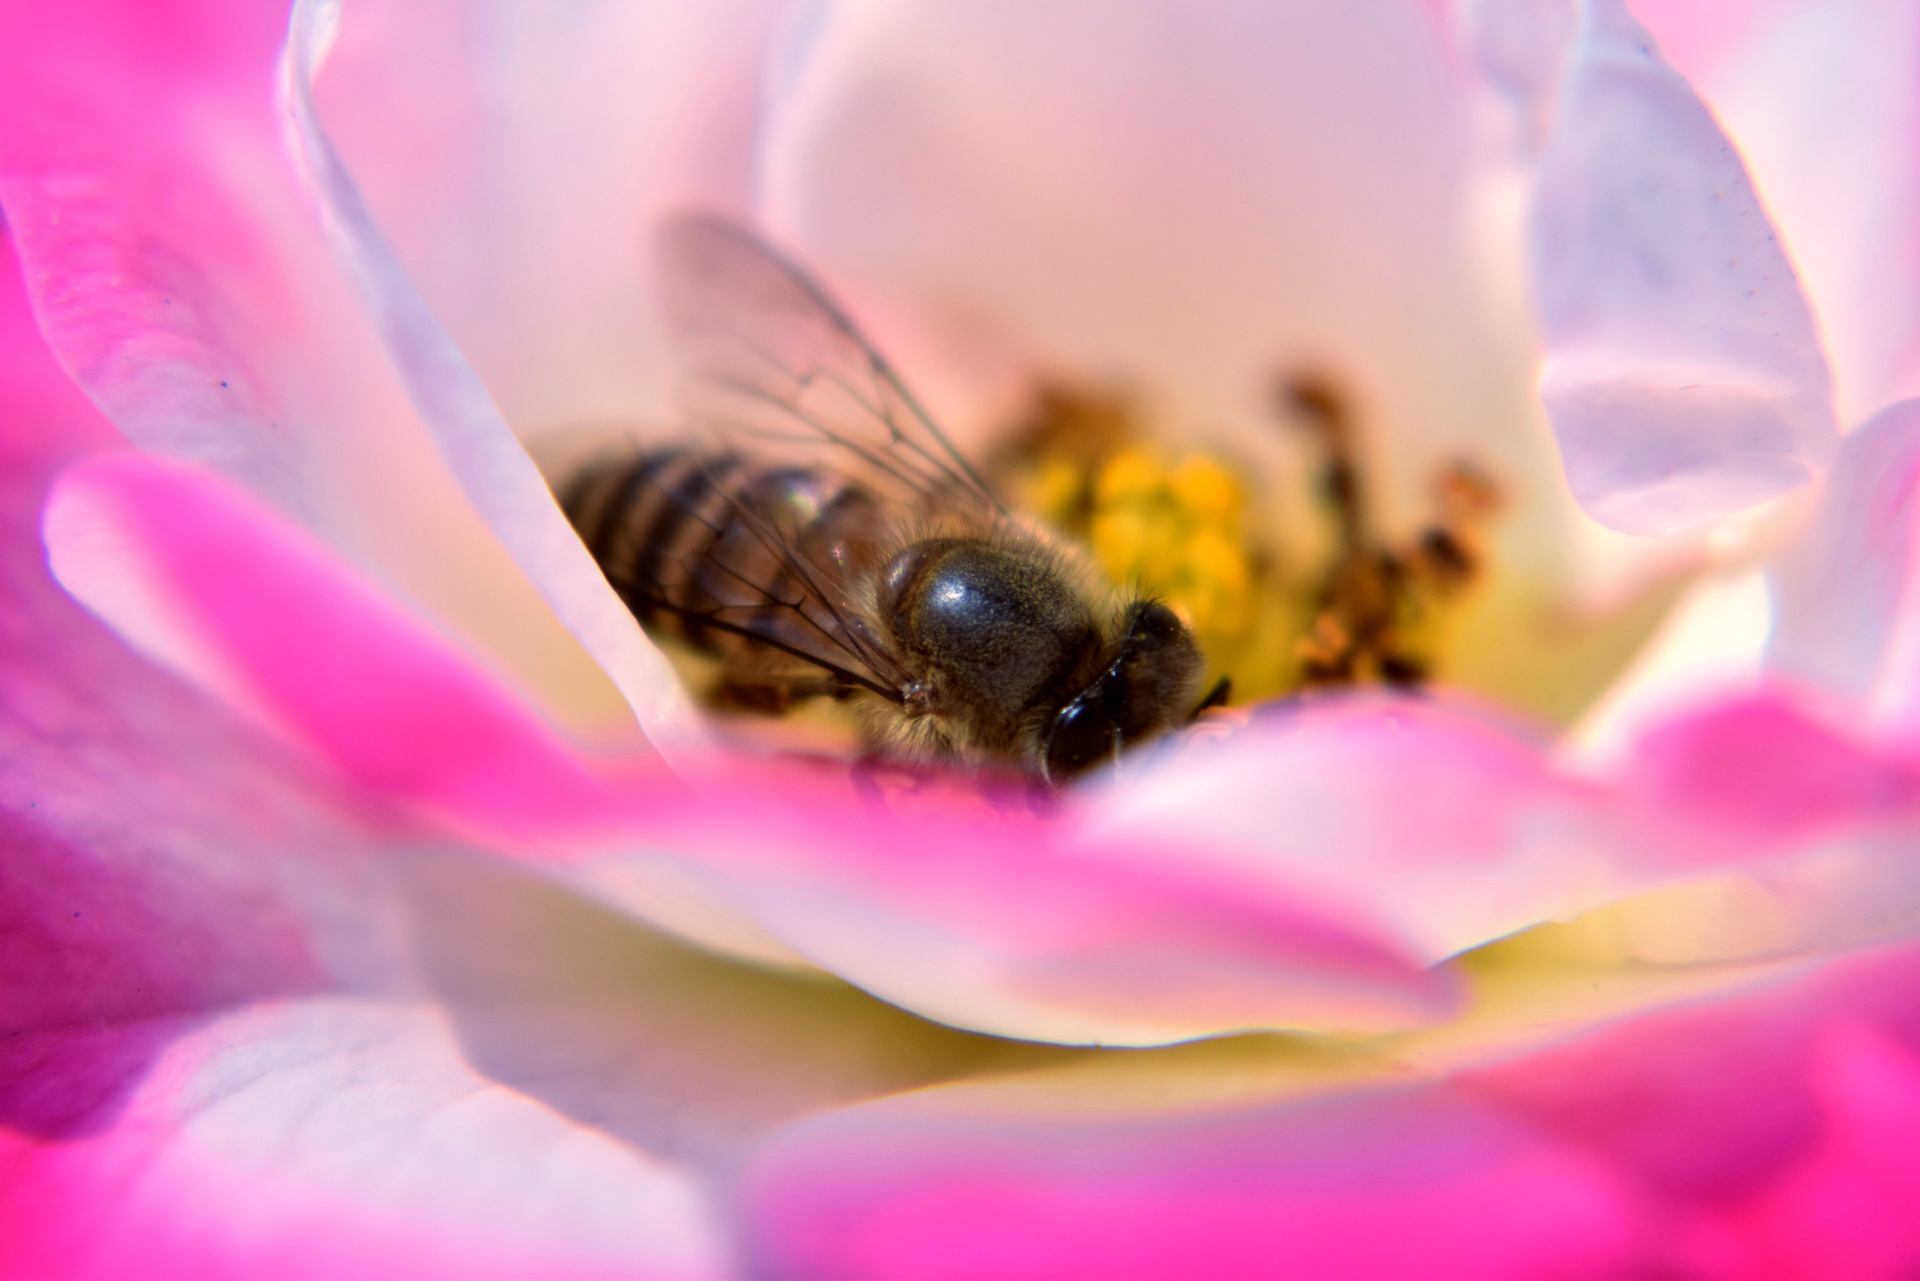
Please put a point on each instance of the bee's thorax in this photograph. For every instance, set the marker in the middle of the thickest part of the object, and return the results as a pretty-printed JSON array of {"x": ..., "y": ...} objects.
[{"x": 996, "y": 629}]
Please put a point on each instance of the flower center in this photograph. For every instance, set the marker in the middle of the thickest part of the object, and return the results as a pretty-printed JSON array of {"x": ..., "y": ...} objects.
[{"x": 1363, "y": 608}]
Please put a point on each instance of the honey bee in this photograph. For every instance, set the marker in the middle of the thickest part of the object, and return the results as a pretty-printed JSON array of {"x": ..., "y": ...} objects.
[{"x": 824, "y": 539}]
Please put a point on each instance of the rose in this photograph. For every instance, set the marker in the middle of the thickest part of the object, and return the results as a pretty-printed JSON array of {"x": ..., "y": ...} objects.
[{"x": 288, "y": 1007}]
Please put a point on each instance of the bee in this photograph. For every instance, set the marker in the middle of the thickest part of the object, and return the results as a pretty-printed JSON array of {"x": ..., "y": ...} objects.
[{"x": 822, "y": 538}]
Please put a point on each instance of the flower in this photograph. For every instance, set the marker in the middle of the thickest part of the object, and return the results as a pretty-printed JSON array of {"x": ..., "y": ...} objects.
[{"x": 351, "y": 927}]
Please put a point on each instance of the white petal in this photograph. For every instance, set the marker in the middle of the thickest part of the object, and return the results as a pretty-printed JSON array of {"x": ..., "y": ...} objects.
[
  {"x": 498, "y": 477},
  {"x": 1820, "y": 96},
  {"x": 1683, "y": 376}
]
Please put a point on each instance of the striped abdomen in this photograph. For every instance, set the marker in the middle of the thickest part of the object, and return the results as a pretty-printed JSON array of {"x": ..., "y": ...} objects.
[{"x": 731, "y": 558}]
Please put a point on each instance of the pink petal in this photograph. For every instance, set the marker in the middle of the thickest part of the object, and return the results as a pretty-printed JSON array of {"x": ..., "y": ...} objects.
[
  {"x": 1446, "y": 826},
  {"x": 160, "y": 860},
  {"x": 183, "y": 1089},
  {"x": 179, "y": 1096},
  {"x": 173, "y": 886},
  {"x": 1098, "y": 949},
  {"x": 1758, "y": 774},
  {"x": 1765, "y": 832},
  {"x": 310, "y": 645},
  {"x": 1823, "y": 101},
  {"x": 1383, "y": 1182},
  {"x": 1851, "y": 1205},
  {"x": 1297, "y": 875},
  {"x": 1765, "y": 1133},
  {"x": 1684, "y": 377},
  {"x": 179, "y": 266},
  {"x": 342, "y": 1137},
  {"x": 1774, "y": 1130},
  {"x": 1014, "y": 925}
]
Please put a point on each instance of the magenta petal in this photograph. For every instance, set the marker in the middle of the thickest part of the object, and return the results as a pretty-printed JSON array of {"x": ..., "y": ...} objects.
[
  {"x": 1764, "y": 1134},
  {"x": 343, "y": 1138},
  {"x": 1447, "y": 827},
  {"x": 1758, "y": 775},
  {"x": 1683, "y": 375},
  {"x": 157, "y": 860},
  {"x": 308, "y": 645},
  {"x": 1852, "y": 1206},
  {"x": 1774, "y": 833},
  {"x": 1774, "y": 1131},
  {"x": 1025, "y": 927},
  {"x": 1390, "y": 1182}
]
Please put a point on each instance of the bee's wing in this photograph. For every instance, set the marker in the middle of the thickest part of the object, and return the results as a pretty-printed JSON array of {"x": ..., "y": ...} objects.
[{"x": 777, "y": 371}]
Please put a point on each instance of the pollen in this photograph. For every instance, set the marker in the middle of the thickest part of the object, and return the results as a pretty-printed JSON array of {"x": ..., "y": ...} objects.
[
  {"x": 1131, "y": 477},
  {"x": 1055, "y": 490},
  {"x": 1194, "y": 530},
  {"x": 1207, "y": 488},
  {"x": 1174, "y": 530}
]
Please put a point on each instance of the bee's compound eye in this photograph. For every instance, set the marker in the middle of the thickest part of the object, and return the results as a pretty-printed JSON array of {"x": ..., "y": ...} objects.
[
  {"x": 1083, "y": 735},
  {"x": 1156, "y": 622}
]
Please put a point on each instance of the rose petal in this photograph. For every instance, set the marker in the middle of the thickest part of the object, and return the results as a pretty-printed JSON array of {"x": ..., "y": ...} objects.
[
  {"x": 306, "y": 643},
  {"x": 1764, "y": 775},
  {"x": 1774, "y": 1129},
  {"x": 161, "y": 859},
  {"x": 1844, "y": 591},
  {"x": 1683, "y": 375},
  {"x": 516, "y": 155},
  {"x": 341, "y": 1137},
  {"x": 659, "y": 1044},
  {"x": 1016, "y": 925},
  {"x": 165, "y": 867},
  {"x": 182, "y": 275},
  {"x": 1762, "y": 1133},
  {"x": 497, "y": 476},
  {"x": 1098, "y": 950},
  {"x": 1296, "y": 876},
  {"x": 1851, "y": 1205},
  {"x": 1776, "y": 835},
  {"x": 1392, "y": 1182},
  {"x": 1447, "y": 827},
  {"x": 1823, "y": 100},
  {"x": 180, "y": 1096}
]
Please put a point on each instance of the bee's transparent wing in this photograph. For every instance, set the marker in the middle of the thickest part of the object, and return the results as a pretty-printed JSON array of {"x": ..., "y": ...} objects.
[{"x": 776, "y": 370}]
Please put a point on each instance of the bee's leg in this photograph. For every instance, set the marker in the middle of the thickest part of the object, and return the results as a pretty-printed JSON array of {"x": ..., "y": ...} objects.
[
  {"x": 769, "y": 698},
  {"x": 1216, "y": 697},
  {"x": 771, "y": 695}
]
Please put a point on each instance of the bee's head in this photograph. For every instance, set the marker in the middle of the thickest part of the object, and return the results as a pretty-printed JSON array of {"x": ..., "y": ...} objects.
[{"x": 1147, "y": 685}]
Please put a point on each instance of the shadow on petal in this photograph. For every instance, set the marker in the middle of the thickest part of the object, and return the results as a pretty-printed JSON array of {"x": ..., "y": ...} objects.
[{"x": 670, "y": 1048}]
